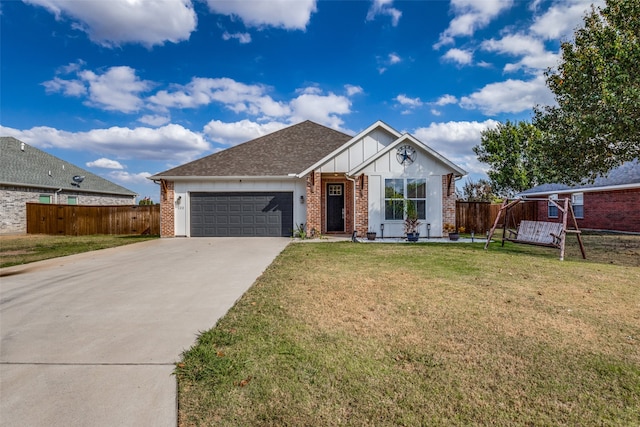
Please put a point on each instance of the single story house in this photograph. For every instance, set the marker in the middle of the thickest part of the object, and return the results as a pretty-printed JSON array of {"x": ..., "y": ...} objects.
[
  {"x": 311, "y": 175},
  {"x": 611, "y": 202},
  {"x": 28, "y": 174}
]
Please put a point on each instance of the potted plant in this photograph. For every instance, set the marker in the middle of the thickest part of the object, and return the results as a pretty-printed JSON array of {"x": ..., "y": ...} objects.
[
  {"x": 371, "y": 235},
  {"x": 450, "y": 229},
  {"x": 411, "y": 222}
]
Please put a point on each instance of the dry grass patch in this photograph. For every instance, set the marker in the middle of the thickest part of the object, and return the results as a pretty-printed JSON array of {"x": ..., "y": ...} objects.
[{"x": 347, "y": 334}]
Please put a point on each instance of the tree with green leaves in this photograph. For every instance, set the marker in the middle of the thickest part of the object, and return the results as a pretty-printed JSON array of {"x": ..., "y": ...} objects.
[
  {"x": 595, "y": 125},
  {"x": 477, "y": 191},
  {"x": 512, "y": 150}
]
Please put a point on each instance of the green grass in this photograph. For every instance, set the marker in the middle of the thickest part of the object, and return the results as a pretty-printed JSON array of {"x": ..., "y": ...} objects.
[
  {"x": 16, "y": 250},
  {"x": 425, "y": 334}
]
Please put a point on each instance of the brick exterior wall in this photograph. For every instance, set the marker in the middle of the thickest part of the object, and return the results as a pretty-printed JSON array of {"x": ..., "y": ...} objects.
[
  {"x": 314, "y": 206},
  {"x": 448, "y": 202},
  {"x": 362, "y": 205},
  {"x": 316, "y": 202},
  {"x": 167, "y": 209},
  {"x": 604, "y": 210},
  {"x": 13, "y": 200}
]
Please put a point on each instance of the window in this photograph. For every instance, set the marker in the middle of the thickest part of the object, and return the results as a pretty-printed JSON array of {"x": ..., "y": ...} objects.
[
  {"x": 72, "y": 200},
  {"x": 552, "y": 210},
  {"x": 398, "y": 191},
  {"x": 577, "y": 201},
  {"x": 45, "y": 199}
]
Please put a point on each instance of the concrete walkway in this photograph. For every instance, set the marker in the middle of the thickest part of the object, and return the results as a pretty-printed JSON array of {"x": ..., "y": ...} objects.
[{"x": 92, "y": 339}]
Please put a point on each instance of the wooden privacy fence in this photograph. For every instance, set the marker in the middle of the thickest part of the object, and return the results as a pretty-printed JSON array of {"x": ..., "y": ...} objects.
[
  {"x": 480, "y": 216},
  {"x": 75, "y": 220}
]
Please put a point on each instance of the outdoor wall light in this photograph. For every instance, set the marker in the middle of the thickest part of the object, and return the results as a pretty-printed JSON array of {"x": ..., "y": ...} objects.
[
  {"x": 428, "y": 230},
  {"x": 301, "y": 199},
  {"x": 178, "y": 200},
  {"x": 382, "y": 231}
]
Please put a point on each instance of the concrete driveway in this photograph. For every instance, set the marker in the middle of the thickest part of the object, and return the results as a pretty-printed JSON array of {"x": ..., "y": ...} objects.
[{"x": 92, "y": 339}]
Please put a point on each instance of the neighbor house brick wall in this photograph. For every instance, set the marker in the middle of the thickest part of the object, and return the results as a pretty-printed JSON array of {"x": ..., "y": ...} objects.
[
  {"x": 13, "y": 200},
  {"x": 604, "y": 210},
  {"x": 167, "y": 209},
  {"x": 314, "y": 204},
  {"x": 448, "y": 201}
]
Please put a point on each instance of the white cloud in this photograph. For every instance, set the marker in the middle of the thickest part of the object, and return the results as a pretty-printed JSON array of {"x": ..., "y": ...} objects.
[
  {"x": 117, "y": 89},
  {"x": 455, "y": 141},
  {"x": 241, "y": 131},
  {"x": 510, "y": 96},
  {"x": 394, "y": 58},
  {"x": 446, "y": 100},
  {"x": 471, "y": 15},
  {"x": 154, "y": 120},
  {"x": 105, "y": 164},
  {"x": 115, "y": 22},
  {"x": 74, "y": 87},
  {"x": 171, "y": 143},
  {"x": 236, "y": 96},
  {"x": 534, "y": 55},
  {"x": 243, "y": 38},
  {"x": 561, "y": 19},
  {"x": 128, "y": 178},
  {"x": 353, "y": 90},
  {"x": 384, "y": 7},
  {"x": 404, "y": 100},
  {"x": 462, "y": 57},
  {"x": 287, "y": 14},
  {"x": 323, "y": 109}
]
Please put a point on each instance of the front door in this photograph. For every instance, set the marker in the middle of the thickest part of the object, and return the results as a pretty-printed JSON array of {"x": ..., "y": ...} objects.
[{"x": 335, "y": 207}]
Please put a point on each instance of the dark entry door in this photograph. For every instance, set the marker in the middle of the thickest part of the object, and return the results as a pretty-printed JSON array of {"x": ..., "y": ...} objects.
[{"x": 335, "y": 207}]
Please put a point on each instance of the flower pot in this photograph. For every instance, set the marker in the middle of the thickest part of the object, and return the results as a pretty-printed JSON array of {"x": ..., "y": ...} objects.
[
  {"x": 371, "y": 235},
  {"x": 454, "y": 236},
  {"x": 413, "y": 237}
]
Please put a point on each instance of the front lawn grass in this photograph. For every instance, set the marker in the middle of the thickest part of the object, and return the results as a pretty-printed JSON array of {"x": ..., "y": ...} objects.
[
  {"x": 423, "y": 335},
  {"x": 23, "y": 249}
]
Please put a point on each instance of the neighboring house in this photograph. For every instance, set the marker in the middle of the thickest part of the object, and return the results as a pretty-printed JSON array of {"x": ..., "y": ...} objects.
[
  {"x": 312, "y": 175},
  {"x": 28, "y": 174},
  {"x": 609, "y": 203}
]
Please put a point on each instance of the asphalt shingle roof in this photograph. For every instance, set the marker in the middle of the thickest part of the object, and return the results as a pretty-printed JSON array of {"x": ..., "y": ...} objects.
[
  {"x": 32, "y": 167},
  {"x": 626, "y": 174},
  {"x": 289, "y": 150}
]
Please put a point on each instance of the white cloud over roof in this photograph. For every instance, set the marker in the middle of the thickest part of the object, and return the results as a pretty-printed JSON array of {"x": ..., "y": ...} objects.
[
  {"x": 115, "y": 22},
  {"x": 287, "y": 14}
]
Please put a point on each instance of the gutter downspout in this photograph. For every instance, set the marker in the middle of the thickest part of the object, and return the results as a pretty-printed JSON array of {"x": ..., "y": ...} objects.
[
  {"x": 55, "y": 198},
  {"x": 355, "y": 229}
]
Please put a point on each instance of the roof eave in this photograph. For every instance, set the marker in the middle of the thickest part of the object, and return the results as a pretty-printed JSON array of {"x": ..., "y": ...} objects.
[
  {"x": 222, "y": 178},
  {"x": 583, "y": 189},
  {"x": 77, "y": 189}
]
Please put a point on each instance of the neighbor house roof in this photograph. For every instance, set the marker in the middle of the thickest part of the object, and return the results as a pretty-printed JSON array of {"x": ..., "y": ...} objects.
[
  {"x": 281, "y": 153},
  {"x": 623, "y": 177},
  {"x": 24, "y": 165}
]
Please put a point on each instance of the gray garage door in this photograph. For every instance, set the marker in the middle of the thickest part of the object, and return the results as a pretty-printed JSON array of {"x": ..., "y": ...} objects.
[{"x": 241, "y": 214}]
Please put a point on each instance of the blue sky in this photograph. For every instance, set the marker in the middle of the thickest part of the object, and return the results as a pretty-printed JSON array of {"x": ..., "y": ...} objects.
[{"x": 129, "y": 88}]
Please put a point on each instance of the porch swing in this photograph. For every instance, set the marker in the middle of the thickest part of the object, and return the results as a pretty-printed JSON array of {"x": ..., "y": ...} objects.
[{"x": 537, "y": 233}]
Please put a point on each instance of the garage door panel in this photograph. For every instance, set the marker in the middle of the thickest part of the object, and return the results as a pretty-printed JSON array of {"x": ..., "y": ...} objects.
[{"x": 242, "y": 214}]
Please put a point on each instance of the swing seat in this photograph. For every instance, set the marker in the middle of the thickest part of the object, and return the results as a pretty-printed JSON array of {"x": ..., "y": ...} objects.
[{"x": 539, "y": 233}]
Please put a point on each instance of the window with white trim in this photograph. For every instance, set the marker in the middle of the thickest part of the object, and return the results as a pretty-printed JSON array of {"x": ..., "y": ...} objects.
[
  {"x": 396, "y": 193},
  {"x": 552, "y": 210},
  {"x": 577, "y": 202}
]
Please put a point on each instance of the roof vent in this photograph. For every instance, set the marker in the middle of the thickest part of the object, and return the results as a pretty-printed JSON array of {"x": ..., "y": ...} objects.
[{"x": 22, "y": 146}]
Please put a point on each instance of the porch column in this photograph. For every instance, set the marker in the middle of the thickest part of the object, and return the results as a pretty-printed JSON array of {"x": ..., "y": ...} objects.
[{"x": 314, "y": 203}]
